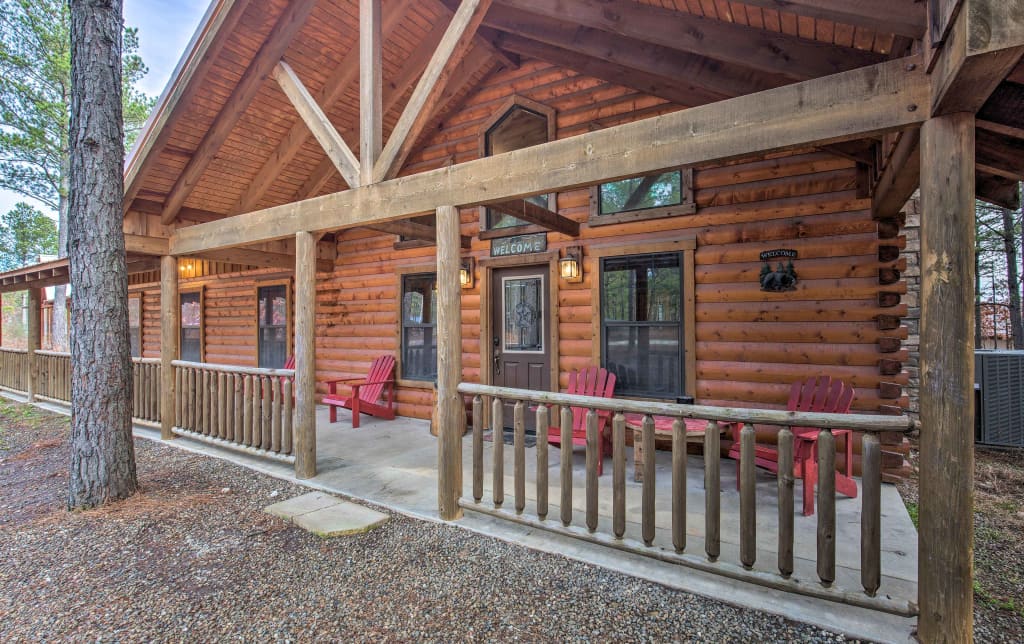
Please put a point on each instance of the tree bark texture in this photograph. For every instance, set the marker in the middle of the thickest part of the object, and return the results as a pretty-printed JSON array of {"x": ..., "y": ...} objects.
[
  {"x": 1012, "y": 278},
  {"x": 102, "y": 454}
]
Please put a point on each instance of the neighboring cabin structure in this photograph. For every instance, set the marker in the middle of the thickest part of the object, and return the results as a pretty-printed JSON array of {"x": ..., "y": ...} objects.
[{"x": 614, "y": 227}]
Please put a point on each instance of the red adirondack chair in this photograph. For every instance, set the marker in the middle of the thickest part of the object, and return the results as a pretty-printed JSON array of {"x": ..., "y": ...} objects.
[
  {"x": 592, "y": 381},
  {"x": 366, "y": 393},
  {"x": 821, "y": 394}
]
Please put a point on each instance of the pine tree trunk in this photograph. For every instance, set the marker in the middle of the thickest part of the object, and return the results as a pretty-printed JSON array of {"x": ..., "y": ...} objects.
[
  {"x": 102, "y": 453},
  {"x": 1012, "y": 279}
]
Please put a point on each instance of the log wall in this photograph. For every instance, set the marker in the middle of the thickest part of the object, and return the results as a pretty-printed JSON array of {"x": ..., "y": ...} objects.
[{"x": 844, "y": 318}]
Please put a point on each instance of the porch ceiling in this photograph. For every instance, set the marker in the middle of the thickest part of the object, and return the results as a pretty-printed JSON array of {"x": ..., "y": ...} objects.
[{"x": 226, "y": 139}]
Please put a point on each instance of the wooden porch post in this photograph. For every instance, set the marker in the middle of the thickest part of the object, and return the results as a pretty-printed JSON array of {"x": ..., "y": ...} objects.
[
  {"x": 305, "y": 355},
  {"x": 35, "y": 309},
  {"x": 170, "y": 311},
  {"x": 946, "y": 541},
  {"x": 450, "y": 412}
]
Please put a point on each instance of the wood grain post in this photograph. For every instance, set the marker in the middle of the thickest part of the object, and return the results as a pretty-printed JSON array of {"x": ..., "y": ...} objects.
[
  {"x": 785, "y": 482},
  {"x": 648, "y": 491},
  {"x": 565, "y": 452},
  {"x": 679, "y": 485},
  {"x": 748, "y": 498},
  {"x": 543, "y": 416},
  {"x": 946, "y": 543},
  {"x": 33, "y": 338},
  {"x": 826, "y": 507},
  {"x": 305, "y": 356},
  {"x": 619, "y": 475},
  {"x": 519, "y": 454},
  {"x": 871, "y": 515},
  {"x": 592, "y": 463},
  {"x": 712, "y": 492},
  {"x": 498, "y": 451},
  {"x": 451, "y": 414},
  {"x": 170, "y": 311},
  {"x": 478, "y": 448}
]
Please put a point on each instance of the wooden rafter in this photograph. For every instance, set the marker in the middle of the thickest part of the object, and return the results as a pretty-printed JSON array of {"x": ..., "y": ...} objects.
[
  {"x": 260, "y": 258},
  {"x": 677, "y": 90},
  {"x": 340, "y": 80},
  {"x": 415, "y": 230},
  {"x": 318, "y": 123},
  {"x": 371, "y": 96},
  {"x": 482, "y": 38},
  {"x": 855, "y": 104},
  {"x": 288, "y": 25},
  {"x": 150, "y": 207},
  {"x": 393, "y": 93},
  {"x": 531, "y": 212},
  {"x": 723, "y": 79},
  {"x": 457, "y": 39},
  {"x": 900, "y": 178},
  {"x": 997, "y": 190},
  {"x": 900, "y": 17},
  {"x": 759, "y": 49},
  {"x": 1000, "y": 155}
]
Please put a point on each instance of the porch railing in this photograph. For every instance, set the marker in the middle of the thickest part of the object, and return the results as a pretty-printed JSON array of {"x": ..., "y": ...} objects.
[
  {"x": 546, "y": 406},
  {"x": 146, "y": 381},
  {"x": 239, "y": 407},
  {"x": 14, "y": 369},
  {"x": 54, "y": 375}
]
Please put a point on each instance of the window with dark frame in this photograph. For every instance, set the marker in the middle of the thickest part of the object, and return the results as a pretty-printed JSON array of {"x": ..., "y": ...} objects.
[
  {"x": 419, "y": 326},
  {"x": 272, "y": 322},
  {"x": 135, "y": 326},
  {"x": 191, "y": 347},
  {"x": 519, "y": 127},
  {"x": 642, "y": 324},
  {"x": 666, "y": 194}
]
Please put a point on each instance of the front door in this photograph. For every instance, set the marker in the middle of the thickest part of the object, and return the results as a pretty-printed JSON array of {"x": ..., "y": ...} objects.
[{"x": 520, "y": 324}]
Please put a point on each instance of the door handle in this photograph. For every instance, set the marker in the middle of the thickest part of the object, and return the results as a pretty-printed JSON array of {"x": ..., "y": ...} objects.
[{"x": 497, "y": 357}]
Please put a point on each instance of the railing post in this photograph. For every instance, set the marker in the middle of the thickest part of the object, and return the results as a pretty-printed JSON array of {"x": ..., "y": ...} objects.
[
  {"x": 169, "y": 313},
  {"x": 947, "y": 379},
  {"x": 305, "y": 357},
  {"x": 34, "y": 313},
  {"x": 451, "y": 416}
]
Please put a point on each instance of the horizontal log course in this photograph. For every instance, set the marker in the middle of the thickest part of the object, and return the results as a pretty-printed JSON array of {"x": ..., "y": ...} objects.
[
  {"x": 807, "y": 269},
  {"x": 836, "y": 246},
  {"x": 796, "y": 353},
  {"x": 767, "y": 393},
  {"x": 857, "y": 376},
  {"x": 823, "y": 332},
  {"x": 776, "y": 168},
  {"x": 779, "y": 188},
  {"x": 804, "y": 311},
  {"x": 806, "y": 289}
]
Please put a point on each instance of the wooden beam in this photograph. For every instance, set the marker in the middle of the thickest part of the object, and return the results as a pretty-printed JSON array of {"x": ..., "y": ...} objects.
[
  {"x": 318, "y": 123},
  {"x": 900, "y": 177},
  {"x": 371, "y": 75},
  {"x": 145, "y": 245},
  {"x": 997, "y": 190},
  {"x": 415, "y": 230},
  {"x": 855, "y": 104},
  {"x": 260, "y": 258},
  {"x": 288, "y": 25},
  {"x": 724, "y": 79},
  {"x": 985, "y": 43},
  {"x": 450, "y": 412},
  {"x": 531, "y": 212},
  {"x": 900, "y": 17},
  {"x": 677, "y": 90},
  {"x": 340, "y": 80},
  {"x": 149, "y": 207},
  {"x": 457, "y": 39},
  {"x": 1000, "y": 128},
  {"x": 217, "y": 26},
  {"x": 1002, "y": 155},
  {"x": 305, "y": 356},
  {"x": 945, "y": 557},
  {"x": 483, "y": 37},
  {"x": 170, "y": 310},
  {"x": 766, "y": 51}
]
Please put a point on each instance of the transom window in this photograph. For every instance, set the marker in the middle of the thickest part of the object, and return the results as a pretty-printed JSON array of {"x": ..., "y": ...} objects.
[
  {"x": 666, "y": 194},
  {"x": 642, "y": 323},
  {"x": 419, "y": 325}
]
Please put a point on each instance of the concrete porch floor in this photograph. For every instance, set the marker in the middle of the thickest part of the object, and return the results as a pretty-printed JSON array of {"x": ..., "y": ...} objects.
[{"x": 393, "y": 464}]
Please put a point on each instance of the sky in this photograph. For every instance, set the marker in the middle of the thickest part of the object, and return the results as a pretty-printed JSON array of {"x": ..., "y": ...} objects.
[{"x": 165, "y": 29}]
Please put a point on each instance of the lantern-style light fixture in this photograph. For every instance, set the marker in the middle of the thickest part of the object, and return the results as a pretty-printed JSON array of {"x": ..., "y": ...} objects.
[
  {"x": 466, "y": 270},
  {"x": 570, "y": 267}
]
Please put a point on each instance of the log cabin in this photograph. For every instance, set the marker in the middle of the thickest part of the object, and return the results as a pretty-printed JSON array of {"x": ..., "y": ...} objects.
[{"x": 702, "y": 197}]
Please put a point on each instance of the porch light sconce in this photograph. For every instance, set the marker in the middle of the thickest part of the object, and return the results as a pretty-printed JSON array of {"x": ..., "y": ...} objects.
[
  {"x": 466, "y": 270},
  {"x": 570, "y": 267}
]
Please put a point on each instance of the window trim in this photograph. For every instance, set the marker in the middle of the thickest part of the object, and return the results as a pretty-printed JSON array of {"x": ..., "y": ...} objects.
[
  {"x": 202, "y": 319},
  {"x": 533, "y": 106},
  {"x": 401, "y": 273},
  {"x": 687, "y": 207},
  {"x": 686, "y": 245},
  {"x": 289, "y": 294}
]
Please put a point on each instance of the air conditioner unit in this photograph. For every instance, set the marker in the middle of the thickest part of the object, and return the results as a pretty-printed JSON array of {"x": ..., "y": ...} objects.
[{"x": 1000, "y": 410}]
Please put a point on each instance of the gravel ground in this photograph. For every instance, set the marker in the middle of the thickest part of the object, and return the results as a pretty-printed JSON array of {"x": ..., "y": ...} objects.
[
  {"x": 998, "y": 542},
  {"x": 194, "y": 557}
]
